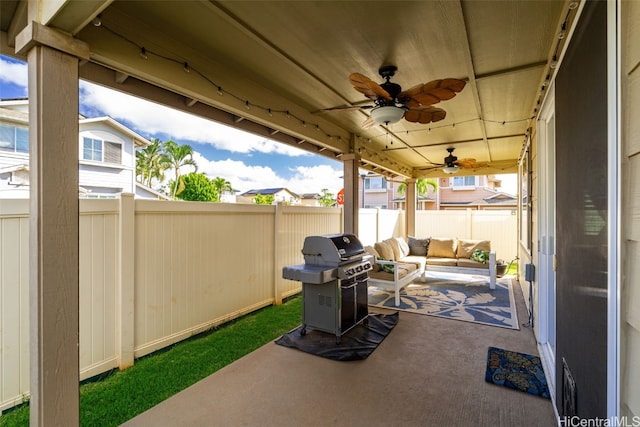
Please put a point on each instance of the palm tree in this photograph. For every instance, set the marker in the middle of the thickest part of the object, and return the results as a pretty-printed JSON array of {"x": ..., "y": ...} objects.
[
  {"x": 422, "y": 186},
  {"x": 179, "y": 156},
  {"x": 151, "y": 162},
  {"x": 221, "y": 185}
]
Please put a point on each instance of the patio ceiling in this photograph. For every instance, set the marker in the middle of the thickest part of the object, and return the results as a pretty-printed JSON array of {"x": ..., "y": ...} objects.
[{"x": 268, "y": 67}]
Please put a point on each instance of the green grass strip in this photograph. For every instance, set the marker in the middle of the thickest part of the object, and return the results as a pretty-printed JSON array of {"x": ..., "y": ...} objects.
[{"x": 154, "y": 378}]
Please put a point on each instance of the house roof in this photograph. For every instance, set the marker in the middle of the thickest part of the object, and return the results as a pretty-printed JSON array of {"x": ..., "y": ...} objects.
[
  {"x": 6, "y": 112},
  {"x": 266, "y": 191},
  {"x": 496, "y": 199},
  {"x": 14, "y": 168},
  {"x": 139, "y": 140},
  {"x": 306, "y": 196},
  {"x": 152, "y": 191}
]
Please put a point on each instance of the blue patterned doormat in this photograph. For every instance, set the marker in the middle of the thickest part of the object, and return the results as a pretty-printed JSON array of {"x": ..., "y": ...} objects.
[
  {"x": 519, "y": 371},
  {"x": 454, "y": 296}
]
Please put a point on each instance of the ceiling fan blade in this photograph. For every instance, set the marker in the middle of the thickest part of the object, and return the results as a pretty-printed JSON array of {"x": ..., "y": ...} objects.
[
  {"x": 466, "y": 163},
  {"x": 347, "y": 108},
  {"x": 432, "y": 92},
  {"x": 425, "y": 114},
  {"x": 368, "y": 87},
  {"x": 469, "y": 163},
  {"x": 431, "y": 167}
]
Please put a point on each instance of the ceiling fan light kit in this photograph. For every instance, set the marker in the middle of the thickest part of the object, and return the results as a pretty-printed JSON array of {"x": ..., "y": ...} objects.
[
  {"x": 387, "y": 114},
  {"x": 451, "y": 169}
]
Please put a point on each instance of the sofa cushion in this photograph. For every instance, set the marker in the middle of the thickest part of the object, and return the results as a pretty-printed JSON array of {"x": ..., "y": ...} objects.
[
  {"x": 420, "y": 261},
  {"x": 448, "y": 262},
  {"x": 442, "y": 248},
  {"x": 385, "y": 250},
  {"x": 463, "y": 262},
  {"x": 418, "y": 246},
  {"x": 395, "y": 246},
  {"x": 466, "y": 247}
]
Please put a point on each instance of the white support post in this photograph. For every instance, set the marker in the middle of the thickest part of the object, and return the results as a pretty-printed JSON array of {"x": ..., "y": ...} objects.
[
  {"x": 277, "y": 295},
  {"x": 410, "y": 207},
  {"x": 126, "y": 305}
]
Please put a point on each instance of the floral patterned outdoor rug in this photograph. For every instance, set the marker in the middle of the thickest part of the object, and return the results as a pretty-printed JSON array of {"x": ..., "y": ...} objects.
[{"x": 454, "y": 296}]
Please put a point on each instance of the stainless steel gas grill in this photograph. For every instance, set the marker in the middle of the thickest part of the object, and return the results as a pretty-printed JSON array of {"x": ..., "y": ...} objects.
[{"x": 334, "y": 283}]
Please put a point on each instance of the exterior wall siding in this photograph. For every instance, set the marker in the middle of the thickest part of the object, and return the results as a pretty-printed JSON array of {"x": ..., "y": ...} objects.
[
  {"x": 106, "y": 177},
  {"x": 630, "y": 289}
]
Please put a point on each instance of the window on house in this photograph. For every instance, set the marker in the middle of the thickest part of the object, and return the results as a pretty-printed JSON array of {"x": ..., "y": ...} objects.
[
  {"x": 375, "y": 183},
  {"x": 92, "y": 149},
  {"x": 463, "y": 181},
  {"x": 101, "y": 151},
  {"x": 14, "y": 138}
]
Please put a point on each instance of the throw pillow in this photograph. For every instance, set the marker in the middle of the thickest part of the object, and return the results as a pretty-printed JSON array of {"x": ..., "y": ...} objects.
[
  {"x": 395, "y": 247},
  {"x": 480, "y": 256},
  {"x": 467, "y": 246},
  {"x": 385, "y": 251},
  {"x": 442, "y": 248},
  {"x": 418, "y": 246},
  {"x": 403, "y": 246}
]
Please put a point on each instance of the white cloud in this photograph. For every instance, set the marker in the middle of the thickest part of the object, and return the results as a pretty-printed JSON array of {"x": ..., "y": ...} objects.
[
  {"x": 152, "y": 119},
  {"x": 245, "y": 177},
  {"x": 314, "y": 179},
  {"x": 14, "y": 73},
  {"x": 155, "y": 119}
]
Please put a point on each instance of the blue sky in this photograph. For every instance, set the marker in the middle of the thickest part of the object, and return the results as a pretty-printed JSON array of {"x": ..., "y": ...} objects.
[{"x": 246, "y": 160}]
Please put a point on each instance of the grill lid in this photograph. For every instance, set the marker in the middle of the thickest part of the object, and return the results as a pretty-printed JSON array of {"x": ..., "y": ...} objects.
[{"x": 332, "y": 249}]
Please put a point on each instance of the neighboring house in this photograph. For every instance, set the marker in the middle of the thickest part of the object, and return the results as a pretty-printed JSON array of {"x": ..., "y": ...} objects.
[
  {"x": 310, "y": 199},
  {"x": 280, "y": 195},
  {"x": 377, "y": 192},
  {"x": 454, "y": 192},
  {"x": 229, "y": 196},
  {"x": 473, "y": 192},
  {"x": 144, "y": 192},
  {"x": 106, "y": 153}
]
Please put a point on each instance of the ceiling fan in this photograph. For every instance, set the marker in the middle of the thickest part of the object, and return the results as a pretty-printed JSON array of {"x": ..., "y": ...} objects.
[
  {"x": 391, "y": 103},
  {"x": 452, "y": 164}
]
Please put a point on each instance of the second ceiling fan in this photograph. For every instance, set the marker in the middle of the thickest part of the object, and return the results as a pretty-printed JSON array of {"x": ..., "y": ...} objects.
[
  {"x": 451, "y": 164},
  {"x": 392, "y": 104}
]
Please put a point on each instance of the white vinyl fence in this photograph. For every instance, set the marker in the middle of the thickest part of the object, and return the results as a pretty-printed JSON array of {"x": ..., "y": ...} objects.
[
  {"x": 155, "y": 272},
  {"x": 500, "y": 227}
]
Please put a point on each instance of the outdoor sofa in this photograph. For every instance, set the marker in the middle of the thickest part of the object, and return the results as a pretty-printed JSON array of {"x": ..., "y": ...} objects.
[{"x": 398, "y": 263}]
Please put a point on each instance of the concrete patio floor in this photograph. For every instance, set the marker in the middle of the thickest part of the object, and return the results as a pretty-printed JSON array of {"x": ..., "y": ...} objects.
[{"x": 429, "y": 371}]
